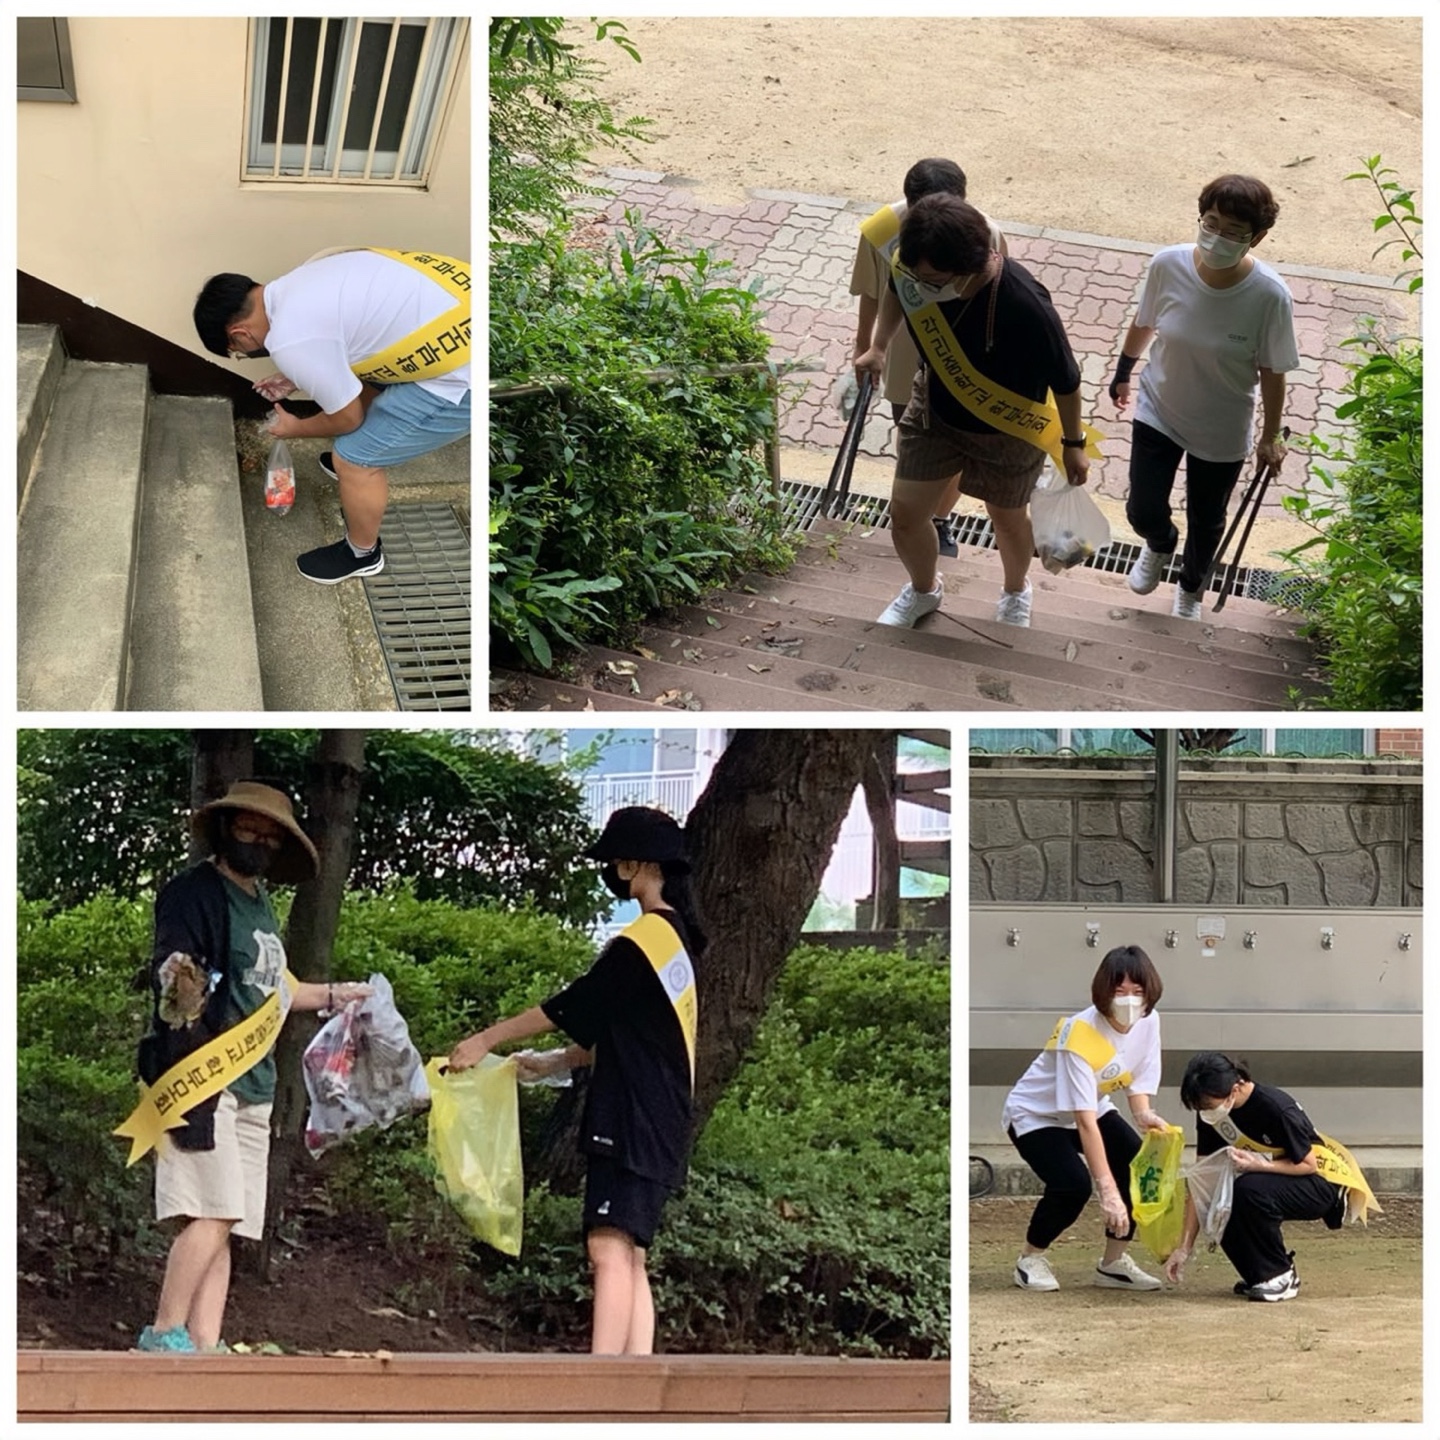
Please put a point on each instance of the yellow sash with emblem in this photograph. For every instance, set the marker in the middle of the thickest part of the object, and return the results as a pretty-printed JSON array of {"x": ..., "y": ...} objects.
[
  {"x": 204, "y": 1073},
  {"x": 1333, "y": 1162},
  {"x": 1094, "y": 1049},
  {"x": 1035, "y": 421},
  {"x": 437, "y": 347},
  {"x": 662, "y": 947}
]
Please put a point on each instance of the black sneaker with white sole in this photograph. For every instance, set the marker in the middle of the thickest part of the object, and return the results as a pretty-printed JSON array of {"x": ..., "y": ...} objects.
[
  {"x": 331, "y": 564},
  {"x": 327, "y": 463}
]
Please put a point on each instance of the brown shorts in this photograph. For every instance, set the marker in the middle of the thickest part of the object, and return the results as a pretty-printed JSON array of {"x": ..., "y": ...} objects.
[{"x": 992, "y": 467}]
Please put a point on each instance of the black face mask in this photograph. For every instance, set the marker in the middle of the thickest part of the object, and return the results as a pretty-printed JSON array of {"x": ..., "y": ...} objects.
[
  {"x": 619, "y": 888},
  {"x": 246, "y": 858}
]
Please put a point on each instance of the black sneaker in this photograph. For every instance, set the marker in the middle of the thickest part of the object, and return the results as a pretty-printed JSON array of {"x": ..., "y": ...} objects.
[
  {"x": 945, "y": 532},
  {"x": 331, "y": 564},
  {"x": 327, "y": 464}
]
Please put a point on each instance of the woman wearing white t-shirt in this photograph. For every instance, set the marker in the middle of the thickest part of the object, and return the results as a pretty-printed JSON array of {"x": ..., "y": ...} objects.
[
  {"x": 1061, "y": 1119},
  {"x": 1222, "y": 328}
]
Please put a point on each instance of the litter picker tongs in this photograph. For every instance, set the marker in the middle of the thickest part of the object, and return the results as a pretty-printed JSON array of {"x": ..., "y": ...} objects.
[
  {"x": 1251, "y": 502},
  {"x": 837, "y": 487}
]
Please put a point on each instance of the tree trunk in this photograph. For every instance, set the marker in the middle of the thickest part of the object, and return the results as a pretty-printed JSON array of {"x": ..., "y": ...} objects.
[
  {"x": 219, "y": 758},
  {"x": 332, "y": 799},
  {"x": 759, "y": 838}
]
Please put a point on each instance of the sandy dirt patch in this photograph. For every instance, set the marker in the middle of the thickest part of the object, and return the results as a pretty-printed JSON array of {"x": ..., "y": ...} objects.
[
  {"x": 1108, "y": 126},
  {"x": 1353, "y": 1334}
]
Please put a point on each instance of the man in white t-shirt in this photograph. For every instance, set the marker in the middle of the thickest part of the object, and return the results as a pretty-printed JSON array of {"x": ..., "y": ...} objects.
[{"x": 380, "y": 340}]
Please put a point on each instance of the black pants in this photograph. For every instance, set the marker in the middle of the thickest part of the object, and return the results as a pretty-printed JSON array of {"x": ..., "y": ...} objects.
[
  {"x": 1054, "y": 1154},
  {"x": 1252, "y": 1238},
  {"x": 1154, "y": 462}
]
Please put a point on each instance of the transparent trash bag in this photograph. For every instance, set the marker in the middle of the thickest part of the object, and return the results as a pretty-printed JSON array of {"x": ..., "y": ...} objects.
[
  {"x": 279, "y": 479},
  {"x": 475, "y": 1146},
  {"x": 1069, "y": 527},
  {"x": 1157, "y": 1190},
  {"x": 1211, "y": 1182},
  {"x": 361, "y": 1070}
]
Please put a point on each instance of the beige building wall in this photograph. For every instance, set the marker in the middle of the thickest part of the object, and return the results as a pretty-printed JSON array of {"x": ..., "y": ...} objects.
[{"x": 133, "y": 197}]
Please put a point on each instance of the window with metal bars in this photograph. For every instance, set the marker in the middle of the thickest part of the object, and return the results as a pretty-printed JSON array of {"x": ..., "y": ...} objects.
[{"x": 357, "y": 101}]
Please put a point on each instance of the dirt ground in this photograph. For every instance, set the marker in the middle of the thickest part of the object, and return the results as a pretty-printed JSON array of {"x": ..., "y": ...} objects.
[
  {"x": 1353, "y": 1332},
  {"x": 1108, "y": 126}
]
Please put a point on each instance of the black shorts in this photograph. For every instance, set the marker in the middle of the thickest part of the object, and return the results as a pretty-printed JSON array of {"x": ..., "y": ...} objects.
[{"x": 619, "y": 1199}]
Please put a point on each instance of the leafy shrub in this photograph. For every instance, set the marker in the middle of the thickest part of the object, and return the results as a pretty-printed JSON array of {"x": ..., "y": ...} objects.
[
  {"x": 1365, "y": 561},
  {"x": 613, "y": 496}
]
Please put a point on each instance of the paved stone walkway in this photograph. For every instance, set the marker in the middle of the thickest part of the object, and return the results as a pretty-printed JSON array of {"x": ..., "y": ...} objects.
[{"x": 803, "y": 247}]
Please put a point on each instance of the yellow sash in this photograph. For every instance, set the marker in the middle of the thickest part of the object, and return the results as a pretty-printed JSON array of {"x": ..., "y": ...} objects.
[
  {"x": 1094, "y": 1049},
  {"x": 1333, "y": 1162},
  {"x": 1035, "y": 421},
  {"x": 204, "y": 1072},
  {"x": 662, "y": 948},
  {"x": 437, "y": 347},
  {"x": 882, "y": 229}
]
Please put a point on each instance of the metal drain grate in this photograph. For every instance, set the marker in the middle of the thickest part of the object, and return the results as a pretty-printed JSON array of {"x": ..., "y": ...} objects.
[
  {"x": 420, "y": 603},
  {"x": 801, "y": 505}
]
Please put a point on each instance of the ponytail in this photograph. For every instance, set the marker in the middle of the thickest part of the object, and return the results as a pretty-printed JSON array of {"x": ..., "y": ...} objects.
[{"x": 677, "y": 894}]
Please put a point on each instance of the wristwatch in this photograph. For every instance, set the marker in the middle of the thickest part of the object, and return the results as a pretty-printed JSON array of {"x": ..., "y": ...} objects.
[{"x": 1070, "y": 444}]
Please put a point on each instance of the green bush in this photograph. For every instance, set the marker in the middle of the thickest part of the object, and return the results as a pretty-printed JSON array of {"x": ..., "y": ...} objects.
[
  {"x": 1365, "y": 563},
  {"x": 612, "y": 495}
]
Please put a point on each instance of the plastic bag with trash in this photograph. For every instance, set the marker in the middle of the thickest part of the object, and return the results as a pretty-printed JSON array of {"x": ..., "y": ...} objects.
[
  {"x": 1211, "y": 1182},
  {"x": 362, "y": 1070},
  {"x": 475, "y": 1147},
  {"x": 1157, "y": 1191},
  {"x": 279, "y": 479},
  {"x": 1069, "y": 527}
]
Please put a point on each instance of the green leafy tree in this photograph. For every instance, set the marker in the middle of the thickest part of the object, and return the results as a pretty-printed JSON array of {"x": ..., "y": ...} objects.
[{"x": 1364, "y": 562}]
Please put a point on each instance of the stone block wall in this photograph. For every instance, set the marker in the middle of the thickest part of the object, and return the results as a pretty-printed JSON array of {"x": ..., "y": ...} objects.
[{"x": 1249, "y": 831}]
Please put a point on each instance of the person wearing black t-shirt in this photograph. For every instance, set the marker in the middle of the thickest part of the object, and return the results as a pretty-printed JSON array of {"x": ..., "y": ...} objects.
[
  {"x": 632, "y": 1017},
  {"x": 1002, "y": 319},
  {"x": 1281, "y": 1182}
]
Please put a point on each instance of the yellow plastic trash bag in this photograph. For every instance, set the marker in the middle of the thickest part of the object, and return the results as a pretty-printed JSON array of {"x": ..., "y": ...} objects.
[
  {"x": 475, "y": 1144},
  {"x": 1157, "y": 1190}
]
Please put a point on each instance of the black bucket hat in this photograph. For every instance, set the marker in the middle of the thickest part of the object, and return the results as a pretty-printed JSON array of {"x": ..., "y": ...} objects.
[{"x": 638, "y": 832}]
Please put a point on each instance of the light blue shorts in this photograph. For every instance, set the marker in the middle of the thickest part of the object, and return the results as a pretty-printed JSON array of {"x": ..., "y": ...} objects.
[{"x": 404, "y": 422}]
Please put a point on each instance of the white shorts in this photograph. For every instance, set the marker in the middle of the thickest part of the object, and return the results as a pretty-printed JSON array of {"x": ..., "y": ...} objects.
[{"x": 226, "y": 1183}]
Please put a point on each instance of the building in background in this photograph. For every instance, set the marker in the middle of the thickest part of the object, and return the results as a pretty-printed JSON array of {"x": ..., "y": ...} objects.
[{"x": 670, "y": 768}]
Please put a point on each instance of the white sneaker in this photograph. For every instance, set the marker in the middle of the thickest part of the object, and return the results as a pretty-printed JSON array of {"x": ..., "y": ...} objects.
[
  {"x": 1145, "y": 572},
  {"x": 1187, "y": 605},
  {"x": 1033, "y": 1272},
  {"x": 1013, "y": 608},
  {"x": 910, "y": 604},
  {"x": 1282, "y": 1287},
  {"x": 1124, "y": 1274}
]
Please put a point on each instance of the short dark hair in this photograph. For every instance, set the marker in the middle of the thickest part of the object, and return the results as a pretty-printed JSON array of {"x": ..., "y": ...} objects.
[
  {"x": 1244, "y": 197},
  {"x": 933, "y": 177},
  {"x": 222, "y": 300},
  {"x": 1210, "y": 1075},
  {"x": 1125, "y": 962},
  {"x": 945, "y": 232}
]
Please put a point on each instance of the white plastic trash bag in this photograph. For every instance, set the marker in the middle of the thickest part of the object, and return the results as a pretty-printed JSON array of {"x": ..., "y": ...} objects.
[
  {"x": 361, "y": 1070},
  {"x": 1211, "y": 1181},
  {"x": 1069, "y": 527}
]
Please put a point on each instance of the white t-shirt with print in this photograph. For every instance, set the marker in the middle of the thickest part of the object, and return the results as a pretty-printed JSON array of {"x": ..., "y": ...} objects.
[
  {"x": 1058, "y": 1082},
  {"x": 1199, "y": 383},
  {"x": 334, "y": 312}
]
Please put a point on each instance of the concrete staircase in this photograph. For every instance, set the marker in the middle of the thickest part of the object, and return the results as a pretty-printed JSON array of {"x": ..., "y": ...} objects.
[
  {"x": 133, "y": 588},
  {"x": 808, "y": 641}
]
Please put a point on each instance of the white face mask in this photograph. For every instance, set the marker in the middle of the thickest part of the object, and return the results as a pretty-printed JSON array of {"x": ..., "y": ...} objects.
[
  {"x": 935, "y": 294},
  {"x": 1126, "y": 1008},
  {"x": 1214, "y": 1117},
  {"x": 1220, "y": 253}
]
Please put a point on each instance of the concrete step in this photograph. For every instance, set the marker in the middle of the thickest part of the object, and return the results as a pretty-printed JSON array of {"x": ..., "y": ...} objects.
[
  {"x": 1042, "y": 671},
  {"x": 192, "y": 631},
  {"x": 40, "y": 359},
  {"x": 76, "y": 542}
]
